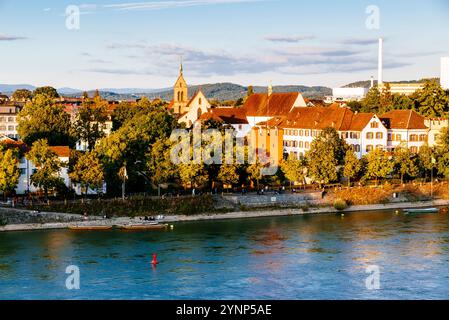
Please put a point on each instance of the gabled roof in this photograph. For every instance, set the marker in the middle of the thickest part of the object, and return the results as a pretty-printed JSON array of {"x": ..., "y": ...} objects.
[
  {"x": 403, "y": 119},
  {"x": 226, "y": 115},
  {"x": 276, "y": 104},
  {"x": 360, "y": 121},
  {"x": 61, "y": 151}
]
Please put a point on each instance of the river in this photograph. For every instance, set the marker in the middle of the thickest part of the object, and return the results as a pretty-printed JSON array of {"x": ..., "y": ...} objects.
[{"x": 301, "y": 257}]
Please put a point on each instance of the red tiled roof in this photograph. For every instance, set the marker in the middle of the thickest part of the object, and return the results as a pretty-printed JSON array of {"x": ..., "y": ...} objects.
[
  {"x": 226, "y": 115},
  {"x": 403, "y": 119},
  {"x": 260, "y": 104},
  {"x": 11, "y": 143},
  {"x": 61, "y": 151}
]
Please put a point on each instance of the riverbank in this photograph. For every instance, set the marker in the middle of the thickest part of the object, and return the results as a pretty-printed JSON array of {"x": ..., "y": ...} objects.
[{"x": 223, "y": 216}]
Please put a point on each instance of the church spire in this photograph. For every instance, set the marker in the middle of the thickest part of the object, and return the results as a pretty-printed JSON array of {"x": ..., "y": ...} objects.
[{"x": 180, "y": 67}]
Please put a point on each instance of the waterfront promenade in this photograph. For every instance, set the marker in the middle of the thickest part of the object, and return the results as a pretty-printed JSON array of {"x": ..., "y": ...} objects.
[{"x": 93, "y": 220}]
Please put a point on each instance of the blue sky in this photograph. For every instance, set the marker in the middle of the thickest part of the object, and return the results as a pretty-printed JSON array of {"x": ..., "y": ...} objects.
[{"x": 139, "y": 44}]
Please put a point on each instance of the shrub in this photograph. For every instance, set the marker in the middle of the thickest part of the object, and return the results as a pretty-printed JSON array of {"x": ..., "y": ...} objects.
[
  {"x": 3, "y": 222},
  {"x": 340, "y": 204}
]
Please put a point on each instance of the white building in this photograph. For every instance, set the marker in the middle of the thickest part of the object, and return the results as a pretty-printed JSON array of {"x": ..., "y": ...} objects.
[
  {"x": 349, "y": 94},
  {"x": 8, "y": 121},
  {"x": 435, "y": 126}
]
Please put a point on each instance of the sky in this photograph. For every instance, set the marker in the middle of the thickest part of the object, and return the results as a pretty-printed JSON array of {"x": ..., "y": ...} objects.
[{"x": 121, "y": 44}]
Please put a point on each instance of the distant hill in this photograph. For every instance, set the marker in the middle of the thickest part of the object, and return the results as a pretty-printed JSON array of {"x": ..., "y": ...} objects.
[
  {"x": 216, "y": 91},
  {"x": 231, "y": 91}
]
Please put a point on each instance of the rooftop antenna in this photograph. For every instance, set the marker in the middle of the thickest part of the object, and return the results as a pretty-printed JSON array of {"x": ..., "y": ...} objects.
[{"x": 180, "y": 67}]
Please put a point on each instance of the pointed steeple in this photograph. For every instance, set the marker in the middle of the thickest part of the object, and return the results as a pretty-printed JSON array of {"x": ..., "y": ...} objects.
[{"x": 181, "y": 68}]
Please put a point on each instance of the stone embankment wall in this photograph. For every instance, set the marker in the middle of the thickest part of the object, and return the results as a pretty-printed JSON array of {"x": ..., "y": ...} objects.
[
  {"x": 269, "y": 199},
  {"x": 17, "y": 216}
]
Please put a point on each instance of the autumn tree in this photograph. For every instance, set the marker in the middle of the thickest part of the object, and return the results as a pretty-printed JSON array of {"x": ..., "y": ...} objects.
[
  {"x": 294, "y": 169},
  {"x": 327, "y": 152},
  {"x": 22, "y": 95},
  {"x": 159, "y": 165},
  {"x": 9, "y": 170},
  {"x": 42, "y": 119},
  {"x": 193, "y": 174},
  {"x": 88, "y": 172},
  {"x": 90, "y": 121},
  {"x": 352, "y": 166},
  {"x": 405, "y": 163},
  {"x": 255, "y": 171},
  {"x": 228, "y": 174},
  {"x": 379, "y": 165},
  {"x": 47, "y": 91},
  {"x": 47, "y": 164},
  {"x": 385, "y": 99},
  {"x": 426, "y": 158}
]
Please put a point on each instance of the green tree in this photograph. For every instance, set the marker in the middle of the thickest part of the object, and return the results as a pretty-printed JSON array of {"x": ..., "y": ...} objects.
[
  {"x": 22, "y": 95},
  {"x": 379, "y": 165},
  {"x": 443, "y": 164},
  {"x": 432, "y": 100},
  {"x": 355, "y": 106},
  {"x": 294, "y": 169},
  {"x": 42, "y": 119},
  {"x": 9, "y": 170},
  {"x": 47, "y": 91},
  {"x": 386, "y": 99},
  {"x": 443, "y": 140},
  {"x": 327, "y": 152},
  {"x": 47, "y": 164},
  {"x": 88, "y": 172},
  {"x": 371, "y": 103},
  {"x": 405, "y": 163},
  {"x": 228, "y": 174},
  {"x": 90, "y": 121},
  {"x": 352, "y": 166}
]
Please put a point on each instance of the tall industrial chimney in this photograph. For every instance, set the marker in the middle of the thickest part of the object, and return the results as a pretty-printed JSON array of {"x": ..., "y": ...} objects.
[{"x": 380, "y": 67}]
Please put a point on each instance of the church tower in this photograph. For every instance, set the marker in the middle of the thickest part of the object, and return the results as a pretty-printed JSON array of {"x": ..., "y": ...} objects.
[{"x": 180, "y": 93}]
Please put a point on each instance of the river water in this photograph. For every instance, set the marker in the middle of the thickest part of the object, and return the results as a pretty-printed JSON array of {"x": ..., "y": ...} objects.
[{"x": 302, "y": 257}]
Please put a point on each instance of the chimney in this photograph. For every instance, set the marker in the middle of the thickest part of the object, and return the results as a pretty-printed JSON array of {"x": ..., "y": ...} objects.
[{"x": 380, "y": 67}]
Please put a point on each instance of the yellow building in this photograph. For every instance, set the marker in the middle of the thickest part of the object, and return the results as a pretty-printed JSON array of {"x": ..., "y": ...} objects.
[{"x": 180, "y": 94}]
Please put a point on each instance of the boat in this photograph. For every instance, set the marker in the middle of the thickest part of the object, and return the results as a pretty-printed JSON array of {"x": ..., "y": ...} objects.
[
  {"x": 149, "y": 226},
  {"x": 90, "y": 228},
  {"x": 421, "y": 210}
]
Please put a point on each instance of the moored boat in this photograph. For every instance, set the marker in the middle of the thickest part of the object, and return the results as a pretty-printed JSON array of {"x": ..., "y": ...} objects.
[
  {"x": 421, "y": 210},
  {"x": 144, "y": 227},
  {"x": 89, "y": 228}
]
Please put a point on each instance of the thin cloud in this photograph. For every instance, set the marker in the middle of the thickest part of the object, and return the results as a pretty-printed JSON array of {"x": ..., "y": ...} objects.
[
  {"x": 361, "y": 41},
  {"x": 159, "y": 5},
  {"x": 288, "y": 39},
  {"x": 4, "y": 37}
]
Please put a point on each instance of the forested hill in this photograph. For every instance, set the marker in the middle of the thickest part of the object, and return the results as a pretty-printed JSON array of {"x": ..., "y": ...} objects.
[
  {"x": 367, "y": 83},
  {"x": 231, "y": 91}
]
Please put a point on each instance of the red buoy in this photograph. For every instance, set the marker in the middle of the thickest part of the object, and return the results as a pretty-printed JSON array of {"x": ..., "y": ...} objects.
[{"x": 154, "y": 262}]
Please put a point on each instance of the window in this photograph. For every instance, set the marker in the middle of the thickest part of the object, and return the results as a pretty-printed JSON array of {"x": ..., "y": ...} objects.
[
  {"x": 422, "y": 137},
  {"x": 301, "y": 144},
  {"x": 413, "y": 149},
  {"x": 379, "y": 135},
  {"x": 306, "y": 133},
  {"x": 398, "y": 137},
  {"x": 301, "y": 133},
  {"x": 413, "y": 137},
  {"x": 2, "y": 128},
  {"x": 379, "y": 146},
  {"x": 10, "y": 128},
  {"x": 389, "y": 137},
  {"x": 296, "y": 132},
  {"x": 374, "y": 124},
  {"x": 23, "y": 171},
  {"x": 306, "y": 145},
  {"x": 369, "y": 135},
  {"x": 357, "y": 148},
  {"x": 295, "y": 144},
  {"x": 10, "y": 119},
  {"x": 2, "y": 119},
  {"x": 199, "y": 101},
  {"x": 369, "y": 148}
]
